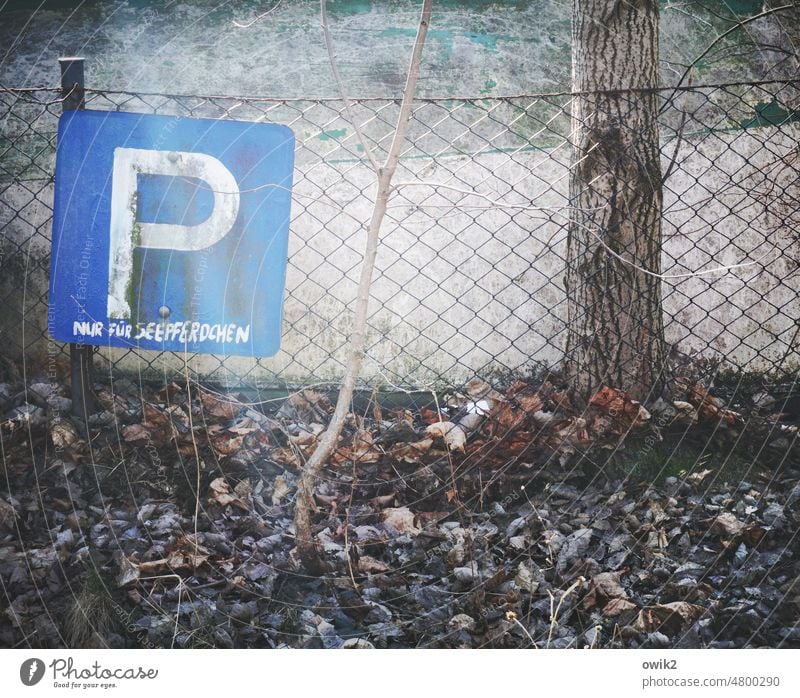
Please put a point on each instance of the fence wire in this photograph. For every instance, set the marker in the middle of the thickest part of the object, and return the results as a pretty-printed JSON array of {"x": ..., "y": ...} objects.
[{"x": 470, "y": 273}]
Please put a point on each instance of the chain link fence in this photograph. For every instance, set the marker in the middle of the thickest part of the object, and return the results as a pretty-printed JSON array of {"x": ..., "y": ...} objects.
[{"x": 469, "y": 278}]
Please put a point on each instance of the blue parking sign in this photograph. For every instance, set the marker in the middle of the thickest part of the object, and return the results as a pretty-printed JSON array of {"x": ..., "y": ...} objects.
[{"x": 170, "y": 233}]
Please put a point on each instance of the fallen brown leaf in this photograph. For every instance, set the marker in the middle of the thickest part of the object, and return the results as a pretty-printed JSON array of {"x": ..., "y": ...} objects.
[
  {"x": 369, "y": 565},
  {"x": 668, "y": 618},
  {"x": 401, "y": 519},
  {"x": 452, "y": 434},
  {"x": 220, "y": 492},
  {"x": 219, "y": 407},
  {"x": 726, "y": 524},
  {"x": 602, "y": 588},
  {"x": 411, "y": 452},
  {"x": 136, "y": 434},
  {"x": 618, "y": 606},
  {"x": 280, "y": 490}
]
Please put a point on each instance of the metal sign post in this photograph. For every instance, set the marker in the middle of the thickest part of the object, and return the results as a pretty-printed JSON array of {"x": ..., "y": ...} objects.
[{"x": 80, "y": 355}]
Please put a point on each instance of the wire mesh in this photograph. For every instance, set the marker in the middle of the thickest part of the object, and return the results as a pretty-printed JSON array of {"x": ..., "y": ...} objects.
[{"x": 470, "y": 272}]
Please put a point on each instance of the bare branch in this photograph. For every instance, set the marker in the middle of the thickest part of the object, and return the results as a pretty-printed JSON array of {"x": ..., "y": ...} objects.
[
  {"x": 340, "y": 86},
  {"x": 727, "y": 32},
  {"x": 249, "y": 24},
  {"x": 304, "y": 503}
]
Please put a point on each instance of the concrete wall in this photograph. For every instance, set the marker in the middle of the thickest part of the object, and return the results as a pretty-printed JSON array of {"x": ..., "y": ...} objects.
[
  {"x": 460, "y": 289},
  {"x": 475, "y": 47},
  {"x": 465, "y": 286}
]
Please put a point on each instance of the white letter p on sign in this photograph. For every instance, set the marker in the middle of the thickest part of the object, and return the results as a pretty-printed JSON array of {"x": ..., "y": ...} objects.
[{"x": 127, "y": 232}]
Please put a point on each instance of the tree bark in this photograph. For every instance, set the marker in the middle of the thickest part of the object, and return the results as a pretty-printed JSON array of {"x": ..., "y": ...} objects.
[{"x": 615, "y": 325}]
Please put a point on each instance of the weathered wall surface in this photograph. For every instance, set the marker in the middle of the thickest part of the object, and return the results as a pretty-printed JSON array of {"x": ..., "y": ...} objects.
[
  {"x": 474, "y": 47},
  {"x": 463, "y": 285},
  {"x": 466, "y": 286}
]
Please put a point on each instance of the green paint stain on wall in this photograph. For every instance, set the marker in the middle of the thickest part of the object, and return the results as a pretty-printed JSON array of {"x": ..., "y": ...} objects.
[
  {"x": 442, "y": 37},
  {"x": 334, "y": 134},
  {"x": 744, "y": 7},
  {"x": 445, "y": 37},
  {"x": 488, "y": 86},
  {"x": 486, "y": 40},
  {"x": 771, "y": 114},
  {"x": 350, "y": 7}
]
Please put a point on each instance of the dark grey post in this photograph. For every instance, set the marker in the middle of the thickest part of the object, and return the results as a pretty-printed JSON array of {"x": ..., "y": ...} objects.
[{"x": 80, "y": 355}]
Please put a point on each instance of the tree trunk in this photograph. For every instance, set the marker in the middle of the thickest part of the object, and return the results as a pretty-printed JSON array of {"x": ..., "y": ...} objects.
[{"x": 615, "y": 327}]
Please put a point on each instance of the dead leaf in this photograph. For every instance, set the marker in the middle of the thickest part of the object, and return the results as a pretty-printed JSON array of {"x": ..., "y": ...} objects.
[
  {"x": 382, "y": 500},
  {"x": 752, "y": 533},
  {"x": 369, "y": 565},
  {"x": 129, "y": 572},
  {"x": 411, "y": 452},
  {"x": 225, "y": 444},
  {"x": 244, "y": 489},
  {"x": 62, "y": 433},
  {"x": 622, "y": 413},
  {"x": 307, "y": 406},
  {"x": 481, "y": 390},
  {"x": 185, "y": 555},
  {"x": 136, "y": 434},
  {"x": 602, "y": 588},
  {"x": 154, "y": 417},
  {"x": 726, "y": 524},
  {"x": 567, "y": 433},
  {"x": 429, "y": 416},
  {"x": 307, "y": 436},
  {"x": 168, "y": 392},
  {"x": 357, "y": 643},
  {"x": 285, "y": 456},
  {"x": 668, "y": 618},
  {"x": 7, "y": 515},
  {"x": 220, "y": 492},
  {"x": 696, "y": 479},
  {"x": 685, "y": 412},
  {"x": 280, "y": 490},
  {"x": 707, "y": 406},
  {"x": 178, "y": 418},
  {"x": 158, "y": 424},
  {"x": 452, "y": 434},
  {"x": 219, "y": 407},
  {"x": 618, "y": 606},
  {"x": 522, "y": 404},
  {"x": 525, "y": 579},
  {"x": 400, "y": 519},
  {"x": 364, "y": 450}
]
